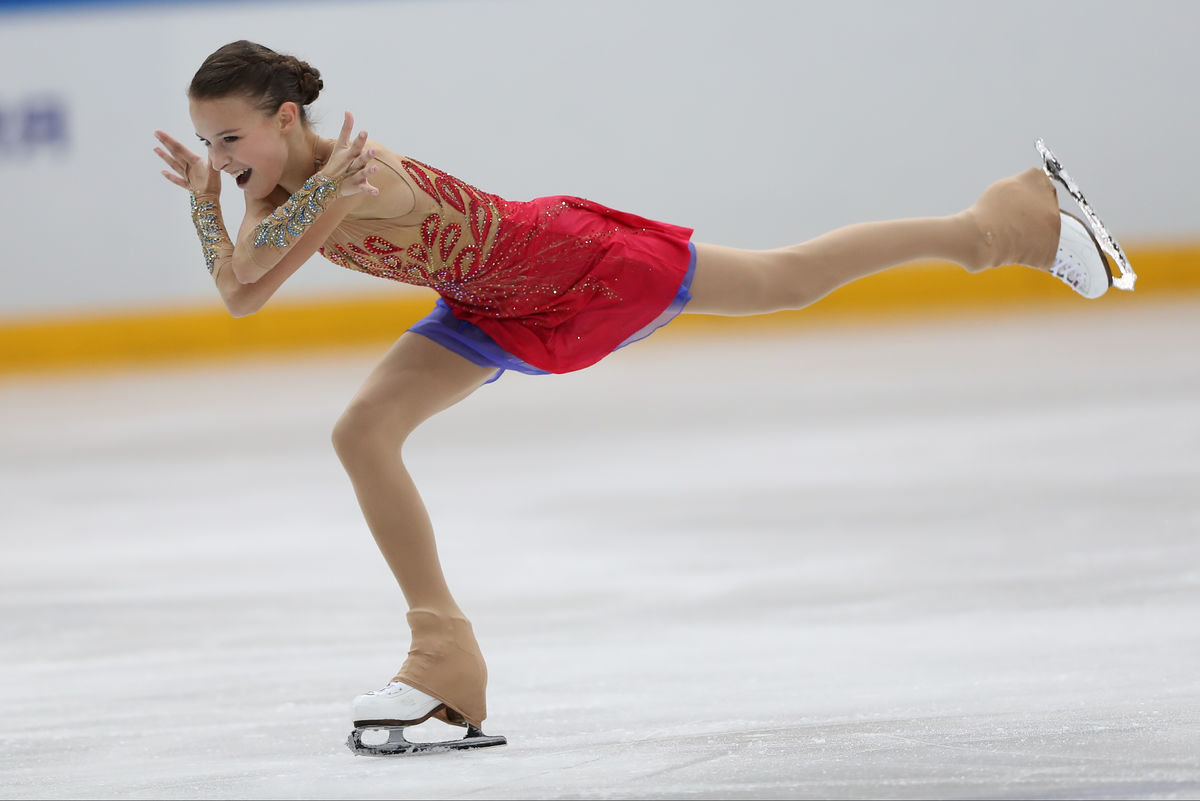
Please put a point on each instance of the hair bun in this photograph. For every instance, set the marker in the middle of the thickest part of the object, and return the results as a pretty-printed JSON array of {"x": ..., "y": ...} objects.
[
  {"x": 269, "y": 79},
  {"x": 308, "y": 79}
]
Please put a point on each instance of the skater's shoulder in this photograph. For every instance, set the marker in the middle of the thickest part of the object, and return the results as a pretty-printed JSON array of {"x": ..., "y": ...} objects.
[{"x": 397, "y": 199}]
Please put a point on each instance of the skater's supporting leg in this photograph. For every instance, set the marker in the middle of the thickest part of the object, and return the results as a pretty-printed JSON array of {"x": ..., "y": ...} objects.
[
  {"x": 416, "y": 379},
  {"x": 1016, "y": 221}
]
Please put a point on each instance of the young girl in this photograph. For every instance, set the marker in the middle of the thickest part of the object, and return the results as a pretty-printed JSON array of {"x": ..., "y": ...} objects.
[{"x": 549, "y": 285}]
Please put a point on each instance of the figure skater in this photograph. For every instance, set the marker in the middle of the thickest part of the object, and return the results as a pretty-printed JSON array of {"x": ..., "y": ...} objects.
[{"x": 549, "y": 285}]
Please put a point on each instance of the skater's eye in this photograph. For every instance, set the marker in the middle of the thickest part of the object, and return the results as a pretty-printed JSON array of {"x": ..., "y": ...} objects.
[{"x": 226, "y": 139}]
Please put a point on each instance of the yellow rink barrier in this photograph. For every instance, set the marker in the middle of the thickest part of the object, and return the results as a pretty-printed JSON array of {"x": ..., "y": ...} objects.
[{"x": 162, "y": 336}]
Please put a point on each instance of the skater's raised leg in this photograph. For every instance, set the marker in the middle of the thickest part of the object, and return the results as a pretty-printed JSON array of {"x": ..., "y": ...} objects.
[
  {"x": 1015, "y": 221},
  {"x": 445, "y": 672}
]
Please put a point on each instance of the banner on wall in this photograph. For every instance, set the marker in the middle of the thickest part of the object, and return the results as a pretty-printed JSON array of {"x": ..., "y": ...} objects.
[{"x": 32, "y": 125}]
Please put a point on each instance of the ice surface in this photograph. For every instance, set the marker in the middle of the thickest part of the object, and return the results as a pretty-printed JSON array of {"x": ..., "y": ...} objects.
[{"x": 892, "y": 562}]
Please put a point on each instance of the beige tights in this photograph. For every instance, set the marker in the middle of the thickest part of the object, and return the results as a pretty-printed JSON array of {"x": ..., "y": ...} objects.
[
  {"x": 415, "y": 380},
  {"x": 1015, "y": 221}
]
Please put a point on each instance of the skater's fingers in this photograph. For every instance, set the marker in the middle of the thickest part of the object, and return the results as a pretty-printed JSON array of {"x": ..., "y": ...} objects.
[
  {"x": 350, "y": 161},
  {"x": 166, "y": 139},
  {"x": 360, "y": 162},
  {"x": 175, "y": 179},
  {"x": 359, "y": 183},
  {"x": 177, "y": 148},
  {"x": 347, "y": 127},
  {"x": 365, "y": 182},
  {"x": 356, "y": 149},
  {"x": 171, "y": 161}
]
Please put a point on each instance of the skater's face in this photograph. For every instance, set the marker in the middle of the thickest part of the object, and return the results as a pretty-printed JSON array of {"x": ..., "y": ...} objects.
[{"x": 245, "y": 142}]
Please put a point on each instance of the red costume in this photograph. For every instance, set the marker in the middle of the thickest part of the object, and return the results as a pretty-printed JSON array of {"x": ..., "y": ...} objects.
[{"x": 559, "y": 282}]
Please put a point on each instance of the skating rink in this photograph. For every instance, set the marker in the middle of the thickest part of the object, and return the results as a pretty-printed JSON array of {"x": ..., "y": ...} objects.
[{"x": 951, "y": 559}]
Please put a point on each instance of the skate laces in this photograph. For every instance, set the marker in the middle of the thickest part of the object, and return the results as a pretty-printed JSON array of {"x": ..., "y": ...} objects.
[
  {"x": 392, "y": 688},
  {"x": 1069, "y": 270}
]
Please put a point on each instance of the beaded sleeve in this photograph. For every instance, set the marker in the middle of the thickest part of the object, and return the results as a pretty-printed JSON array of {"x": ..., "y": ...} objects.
[
  {"x": 294, "y": 217},
  {"x": 214, "y": 241}
]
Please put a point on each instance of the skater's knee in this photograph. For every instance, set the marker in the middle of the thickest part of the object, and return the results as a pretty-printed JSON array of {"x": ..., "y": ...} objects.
[
  {"x": 779, "y": 283},
  {"x": 368, "y": 426}
]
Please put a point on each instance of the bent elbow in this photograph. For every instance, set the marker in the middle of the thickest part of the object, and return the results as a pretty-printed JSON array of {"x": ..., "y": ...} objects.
[
  {"x": 246, "y": 272},
  {"x": 240, "y": 309}
]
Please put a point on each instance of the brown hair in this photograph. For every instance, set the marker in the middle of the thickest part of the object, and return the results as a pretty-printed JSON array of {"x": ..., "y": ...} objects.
[{"x": 268, "y": 78}]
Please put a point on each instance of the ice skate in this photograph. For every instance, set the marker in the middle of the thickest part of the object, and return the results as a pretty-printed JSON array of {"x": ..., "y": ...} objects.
[
  {"x": 1096, "y": 231},
  {"x": 1079, "y": 263},
  {"x": 396, "y": 707},
  {"x": 1022, "y": 224}
]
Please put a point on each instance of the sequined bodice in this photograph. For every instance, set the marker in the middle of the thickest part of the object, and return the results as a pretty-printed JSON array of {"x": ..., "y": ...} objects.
[
  {"x": 483, "y": 254},
  {"x": 558, "y": 281},
  {"x": 448, "y": 246}
]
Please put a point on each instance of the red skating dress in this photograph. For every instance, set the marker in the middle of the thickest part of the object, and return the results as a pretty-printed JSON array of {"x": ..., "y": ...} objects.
[{"x": 559, "y": 282}]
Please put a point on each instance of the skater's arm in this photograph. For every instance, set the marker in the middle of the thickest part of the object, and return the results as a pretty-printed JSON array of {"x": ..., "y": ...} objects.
[
  {"x": 281, "y": 239},
  {"x": 244, "y": 299},
  {"x": 194, "y": 173},
  {"x": 290, "y": 234},
  {"x": 219, "y": 252},
  {"x": 287, "y": 236}
]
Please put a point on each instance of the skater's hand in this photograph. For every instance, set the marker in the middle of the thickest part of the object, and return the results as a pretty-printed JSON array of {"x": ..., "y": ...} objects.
[
  {"x": 349, "y": 164},
  {"x": 188, "y": 170}
]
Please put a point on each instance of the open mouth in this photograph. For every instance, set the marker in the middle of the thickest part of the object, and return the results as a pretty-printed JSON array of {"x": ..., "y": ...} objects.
[{"x": 242, "y": 177}]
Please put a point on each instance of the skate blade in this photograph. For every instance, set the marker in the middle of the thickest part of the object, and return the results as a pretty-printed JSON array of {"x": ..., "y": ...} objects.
[
  {"x": 397, "y": 745},
  {"x": 1053, "y": 168}
]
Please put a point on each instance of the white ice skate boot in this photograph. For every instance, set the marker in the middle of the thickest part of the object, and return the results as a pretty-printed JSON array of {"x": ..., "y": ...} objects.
[
  {"x": 1081, "y": 246},
  {"x": 1080, "y": 263},
  {"x": 396, "y": 706}
]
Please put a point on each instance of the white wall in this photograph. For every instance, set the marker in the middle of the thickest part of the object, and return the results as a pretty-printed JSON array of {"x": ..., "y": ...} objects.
[{"x": 757, "y": 123}]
